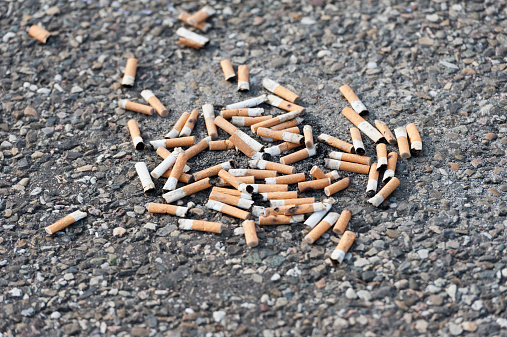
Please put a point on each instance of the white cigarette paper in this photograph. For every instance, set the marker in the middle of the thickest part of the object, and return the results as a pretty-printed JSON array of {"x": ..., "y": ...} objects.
[{"x": 248, "y": 103}]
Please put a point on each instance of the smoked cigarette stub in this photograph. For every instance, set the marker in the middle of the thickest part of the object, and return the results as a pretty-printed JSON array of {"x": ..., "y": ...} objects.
[
  {"x": 234, "y": 181},
  {"x": 213, "y": 170},
  {"x": 288, "y": 124},
  {"x": 335, "y": 142},
  {"x": 299, "y": 155},
  {"x": 385, "y": 192},
  {"x": 284, "y": 105},
  {"x": 321, "y": 228},
  {"x": 246, "y": 112},
  {"x": 174, "y": 142},
  {"x": 262, "y": 188},
  {"x": 246, "y": 180},
  {"x": 357, "y": 141},
  {"x": 279, "y": 195},
  {"x": 280, "y": 135},
  {"x": 175, "y": 131},
  {"x": 198, "y": 148},
  {"x": 220, "y": 145},
  {"x": 135, "y": 133},
  {"x": 317, "y": 173},
  {"x": 227, "y": 69},
  {"x": 166, "y": 164},
  {"x": 150, "y": 97},
  {"x": 190, "y": 43},
  {"x": 231, "y": 200},
  {"x": 39, "y": 33},
  {"x": 279, "y": 149},
  {"x": 250, "y": 233},
  {"x": 186, "y": 190},
  {"x": 312, "y": 185},
  {"x": 189, "y": 124},
  {"x": 201, "y": 25},
  {"x": 279, "y": 90},
  {"x": 415, "y": 139},
  {"x": 287, "y": 179},
  {"x": 381, "y": 156},
  {"x": 353, "y": 158},
  {"x": 233, "y": 192},
  {"x": 249, "y": 103},
  {"x": 257, "y": 174},
  {"x": 243, "y": 146},
  {"x": 167, "y": 209},
  {"x": 340, "y": 165},
  {"x": 384, "y": 130},
  {"x": 308, "y": 133},
  {"x": 269, "y": 165},
  {"x": 144, "y": 176},
  {"x": 276, "y": 120},
  {"x": 354, "y": 101},
  {"x": 296, "y": 201},
  {"x": 365, "y": 127},
  {"x": 337, "y": 186},
  {"x": 189, "y": 35},
  {"x": 304, "y": 208},
  {"x": 343, "y": 247},
  {"x": 141, "y": 108},
  {"x": 392, "y": 158},
  {"x": 200, "y": 225},
  {"x": 130, "y": 72},
  {"x": 371, "y": 188},
  {"x": 227, "y": 209},
  {"x": 315, "y": 218},
  {"x": 176, "y": 172},
  {"x": 201, "y": 15},
  {"x": 184, "y": 177},
  {"x": 258, "y": 211},
  {"x": 248, "y": 121},
  {"x": 209, "y": 119},
  {"x": 65, "y": 221},
  {"x": 243, "y": 78},
  {"x": 342, "y": 222},
  {"x": 280, "y": 219},
  {"x": 401, "y": 138}
]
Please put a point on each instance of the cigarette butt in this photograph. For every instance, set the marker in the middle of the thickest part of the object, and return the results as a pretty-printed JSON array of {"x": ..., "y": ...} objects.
[
  {"x": 246, "y": 180},
  {"x": 150, "y": 97},
  {"x": 228, "y": 209},
  {"x": 249, "y": 103},
  {"x": 242, "y": 146},
  {"x": 186, "y": 190},
  {"x": 230, "y": 191},
  {"x": 227, "y": 69},
  {"x": 354, "y": 101},
  {"x": 287, "y": 179},
  {"x": 352, "y": 158},
  {"x": 340, "y": 165},
  {"x": 282, "y": 104},
  {"x": 213, "y": 170},
  {"x": 190, "y": 43},
  {"x": 279, "y": 195},
  {"x": 246, "y": 112},
  {"x": 280, "y": 219},
  {"x": 130, "y": 72},
  {"x": 299, "y": 155},
  {"x": 209, "y": 119},
  {"x": 279, "y": 90},
  {"x": 248, "y": 121},
  {"x": 220, "y": 145},
  {"x": 312, "y": 185},
  {"x": 39, "y": 33},
  {"x": 175, "y": 131},
  {"x": 315, "y": 218},
  {"x": 264, "y": 188},
  {"x": 341, "y": 224},
  {"x": 243, "y": 78},
  {"x": 401, "y": 138},
  {"x": 294, "y": 129},
  {"x": 333, "y": 175},
  {"x": 384, "y": 130},
  {"x": 280, "y": 135},
  {"x": 135, "y": 133},
  {"x": 167, "y": 209},
  {"x": 392, "y": 158},
  {"x": 269, "y": 165},
  {"x": 166, "y": 163},
  {"x": 279, "y": 149},
  {"x": 276, "y": 120},
  {"x": 198, "y": 148},
  {"x": 65, "y": 221},
  {"x": 317, "y": 173},
  {"x": 225, "y": 125},
  {"x": 200, "y": 225},
  {"x": 371, "y": 188},
  {"x": 343, "y": 247},
  {"x": 357, "y": 141},
  {"x": 415, "y": 139},
  {"x": 335, "y": 142},
  {"x": 231, "y": 200},
  {"x": 205, "y": 27},
  {"x": 258, "y": 174},
  {"x": 232, "y": 180},
  {"x": 296, "y": 201},
  {"x": 176, "y": 172},
  {"x": 381, "y": 156},
  {"x": 365, "y": 127},
  {"x": 337, "y": 186},
  {"x": 189, "y": 35},
  {"x": 144, "y": 176},
  {"x": 284, "y": 210},
  {"x": 250, "y": 233},
  {"x": 385, "y": 192},
  {"x": 189, "y": 124},
  {"x": 321, "y": 228},
  {"x": 308, "y": 133},
  {"x": 288, "y": 124},
  {"x": 141, "y": 108},
  {"x": 184, "y": 177},
  {"x": 304, "y": 208},
  {"x": 201, "y": 15},
  {"x": 174, "y": 142}
]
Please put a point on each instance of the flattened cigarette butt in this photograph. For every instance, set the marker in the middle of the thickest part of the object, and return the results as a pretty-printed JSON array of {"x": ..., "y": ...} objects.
[
  {"x": 135, "y": 133},
  {"x": 284, "y": 105},
  {"x": 401, "y": 138},
  {"x": 340, "y": 165},
  {"x": 175, "y": 131},
  {"x": 65, "y": 221},
  {"x": 198, "y": 148},
  {"x": 227, "y": 69},
  {"x": 385, "y": 192},
  {"x": 189, "y": 124},
  {"x": 38, "y": 33},
  {"x": 312, "y": 185},
  {"x": 249, "y": 180},
  {"x": 249, "y": 103},
  {"x": 280, "y": 135},
  {"x": 269, "y": 165},
  {"x": 279, "y": 195},
  {"x": 150, "y": 97},
  {"x": 296, "y": 201},
  {"x": 250, "y": 233},
  {"x": 308, "y": 133},
  {"x": 357, "y": 141},
  {"x": 352, "y": 158},
  {"x": 167, "y": 209},
  {"x": 213, "y": 170},
  {"x": 304, "y": 208},
  {"x": 365, "y": 127},
  {"x": 205, "y": 27},
  {"x": 248, "y": 121},
  {"x": 354, "y": 101},
  {"x": 189, "y": 35},
  {"x": 280, "y": 219},
  {"x": 221, "y": 145},
  {"x": 381, "y": 156},
  {"x": 174, "y": 142},
  {"x": 209, "y": 119},
  {"x": 392, "y": 158},
  {"x": 228, "y": 209},
  {"x": 144, "y": 176},
  {"x": 279, "y": 90},
  {"x": 415, "y": 139},
  {"x": 384, "y": 130},
  {"x": 343, "y": 247},
  {"x": 315, "y": 218},
  {"x": 263, "y": 188},
  {"x": 281, "y": 148},
  {"x": 321, "y": 228},
  {"x": 299, "y": 155},
  {"x": 276, "y": 120},
  {"x": 187, "y": 190},
  {"x": 341, "y": 224},
  {"x": 371, "y": 188},
  {"x": 201, "y": 15},
  {"x": 257, "y": 174},
  {"x": 141, "y": 108},
  {"x": 130, "y": 72},
  {"x": 243, "y": 78},
  {"x": 233, "y": 181},
  {"x": 233, "y": 192},
  {"x": 200, "y": 225},
  {"x": 286, "y": 179},
  {"x": 231, "y": 200},
  {"x": 317, "y": 173},
  {"x": 337, "y": 186},
  {"x": 335, "y": 142},
  {"x": 245, "y": 112},
  {"x": 176, "y": 172},
  {"x": 189, "y": 43}
]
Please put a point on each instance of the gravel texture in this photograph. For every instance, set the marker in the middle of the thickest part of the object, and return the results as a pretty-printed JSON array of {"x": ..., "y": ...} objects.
[{"x": 431, "y": 261}]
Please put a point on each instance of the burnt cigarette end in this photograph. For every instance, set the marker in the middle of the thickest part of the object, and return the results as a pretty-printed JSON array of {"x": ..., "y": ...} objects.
[
  {"x": 382, "y": 140},
  {"x": 140, "y": 146},
  {"x": 249, "y": 189},
  {"x": 307, "y": 189},
  {"x": 370, "y": 194},
  {"x": 360, "y": 152}
]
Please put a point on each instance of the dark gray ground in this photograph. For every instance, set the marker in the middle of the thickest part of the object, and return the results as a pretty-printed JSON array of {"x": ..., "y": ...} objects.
[{"x": 433, "y": 262}]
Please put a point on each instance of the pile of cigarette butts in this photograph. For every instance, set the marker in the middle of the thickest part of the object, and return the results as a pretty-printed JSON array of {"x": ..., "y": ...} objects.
[{"x": 232, "y": 193}]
